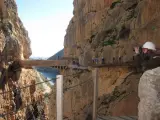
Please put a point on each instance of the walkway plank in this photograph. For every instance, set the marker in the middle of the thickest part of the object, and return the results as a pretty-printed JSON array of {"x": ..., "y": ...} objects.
[
  {"x": 42, "y": 63},
  {"x": 127, "y": 64},
  {"x": 78, "y": 67},
  {"x": 65, "y": 64}
]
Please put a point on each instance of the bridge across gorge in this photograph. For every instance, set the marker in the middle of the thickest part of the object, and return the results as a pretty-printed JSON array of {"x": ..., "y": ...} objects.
[
  {"x": 65, "y": 64},
  {"x": 43, "y": 63},
  {"x": 59, "y": 64}
]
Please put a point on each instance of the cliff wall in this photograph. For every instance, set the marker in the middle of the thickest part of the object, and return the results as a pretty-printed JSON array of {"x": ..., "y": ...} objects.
[
  {"x": 109, "y": 29},
  {"x": 98, "y": 23},
  {"x": 16, "y": 100},
  {"x": 117, "y": 94},
  {"x": 14, "y": 36}
]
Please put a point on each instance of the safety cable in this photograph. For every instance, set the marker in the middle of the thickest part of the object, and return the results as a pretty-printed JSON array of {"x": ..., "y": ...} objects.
[
  {"x": 29, "y": 85},
  {"x": 55, "y": 79},
  {"x": 38, "y": 84},
  {"x": 67, "y": 88}
]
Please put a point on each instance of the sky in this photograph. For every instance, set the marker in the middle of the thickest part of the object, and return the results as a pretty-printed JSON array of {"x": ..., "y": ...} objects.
[{"x": 46, "y": 22}]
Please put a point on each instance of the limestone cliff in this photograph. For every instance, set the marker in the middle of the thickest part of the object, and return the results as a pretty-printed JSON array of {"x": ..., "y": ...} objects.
[
  {"x": 123, "y": 22},
  {"x": 16, "y": 100},
  {"x": 109, "y": 29},
  {"x": 14, "y": 37}
]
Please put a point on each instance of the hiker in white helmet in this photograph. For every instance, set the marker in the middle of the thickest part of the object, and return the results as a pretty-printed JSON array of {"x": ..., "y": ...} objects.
[
  {"x": 148, "y": 56},
  {"x": 148, "y": 50},
  {"x": 153, "y": 54},
  {"x": 144, "y": 54}
]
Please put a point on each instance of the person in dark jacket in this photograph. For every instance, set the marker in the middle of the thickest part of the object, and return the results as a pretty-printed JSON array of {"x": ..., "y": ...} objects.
[{"x": 146, "y": 56}]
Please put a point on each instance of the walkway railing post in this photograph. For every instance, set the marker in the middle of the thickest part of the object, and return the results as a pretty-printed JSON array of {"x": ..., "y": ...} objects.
[
  {"x": 59, "y": 97},
  {"x": 95, "y": 95}
]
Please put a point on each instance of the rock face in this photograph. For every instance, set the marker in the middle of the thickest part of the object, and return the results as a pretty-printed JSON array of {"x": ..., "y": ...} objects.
[
  {"x": 98, "y": 23},
  {"x": 149, "y": 87},
  {"x": 109, "y": 29},
  {"x": 16, "y": 100},
  {"x": 15, "y": 42},
  {"x": 123, "y": 100},
  {"x": 118, "y": 94}
]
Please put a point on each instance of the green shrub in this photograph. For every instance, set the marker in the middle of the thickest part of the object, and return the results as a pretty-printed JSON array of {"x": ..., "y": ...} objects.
[
  {"x": 109, "y": 42},
  {"x": 115, "y": 3}
]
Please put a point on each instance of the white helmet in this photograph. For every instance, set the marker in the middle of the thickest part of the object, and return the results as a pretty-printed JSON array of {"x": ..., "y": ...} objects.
[{"x": 149, "y": 45}]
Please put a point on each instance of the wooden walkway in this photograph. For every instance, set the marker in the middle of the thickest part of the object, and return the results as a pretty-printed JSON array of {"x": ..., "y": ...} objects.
[
  {"x": 127, "y": 64},
  {"x": 118, "y": 118},
  {"x": 58, "y": 64},
  {"x": 77, "y": 67},
  {"x": 43, "y": 63},
  {"x": 64, "y": 64}
]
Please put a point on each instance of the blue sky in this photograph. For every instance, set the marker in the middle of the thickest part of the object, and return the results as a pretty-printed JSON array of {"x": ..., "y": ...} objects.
[{"x": 46, "y": 22}]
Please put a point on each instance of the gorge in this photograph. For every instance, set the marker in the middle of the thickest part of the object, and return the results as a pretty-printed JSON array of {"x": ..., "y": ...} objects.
[{"x": 106, "y": 29}]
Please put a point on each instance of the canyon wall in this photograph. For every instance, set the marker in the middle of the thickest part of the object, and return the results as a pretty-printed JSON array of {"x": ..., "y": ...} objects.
[
  {"x": 117, "y": 94},
  {"x": 109, "y": 29},
  {"x": 14, "y": 38},
  {"x": 16, "y": 100},
  {"x": 98, "y": 23}
]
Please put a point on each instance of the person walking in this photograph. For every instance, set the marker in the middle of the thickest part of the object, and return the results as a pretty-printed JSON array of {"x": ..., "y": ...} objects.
[{"x": 103, "y": 61}]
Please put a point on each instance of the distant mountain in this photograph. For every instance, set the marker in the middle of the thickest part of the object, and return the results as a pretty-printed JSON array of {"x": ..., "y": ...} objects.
[
  {"x": 55, "y": 56},
  {"x": 49, "y": 72},
  {"x": 38, "y": 58}
]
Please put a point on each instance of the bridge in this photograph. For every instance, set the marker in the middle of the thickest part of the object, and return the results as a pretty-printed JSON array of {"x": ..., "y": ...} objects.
[
  {"x": 43, "y": 63},
  {"x": 65, "y": 64},
  {"x": 58, "y": 64}
]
